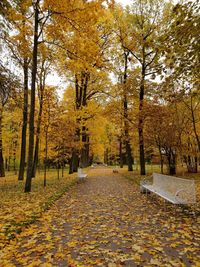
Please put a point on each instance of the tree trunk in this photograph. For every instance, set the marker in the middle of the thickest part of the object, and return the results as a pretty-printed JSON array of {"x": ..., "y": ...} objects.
[
  {"x": 58, "y": 171},
  {"x": 46, "y": 157},
  {"x": 106, "y": 156},
  {"x": 84, "y": 157},
  {"x": 161, "y": 159},
  {"x": 35, "y": 162},
  {"x": 2, "y": 170},
  {"x": 42, "y": 79},
  {"x": 125, "y": 106},
  {"x": 73, "y": 166},
  {"x": 32, "y": 106},
  {"x": 6, "y": 164},
  {"x": 24, "y": 126},
  {"x": 75, "y": 162},
  {"x": 63, "y": 167},
  {"x": 191, "y": 163},
  {"x": 140, "y": 125},
  {"x": 171, "y": 162},
  {"x": 120, "y": 153},
  {"x": 194, "y": 126}
]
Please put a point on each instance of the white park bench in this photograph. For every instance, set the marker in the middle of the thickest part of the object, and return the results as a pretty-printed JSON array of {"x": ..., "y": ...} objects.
[
  {"x": 173, "y": 189},
  {"x": 81, "y": 174}
]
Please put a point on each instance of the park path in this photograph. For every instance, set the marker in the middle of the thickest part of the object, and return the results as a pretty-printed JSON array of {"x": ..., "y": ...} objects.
[{"x": 105, "y": 221}]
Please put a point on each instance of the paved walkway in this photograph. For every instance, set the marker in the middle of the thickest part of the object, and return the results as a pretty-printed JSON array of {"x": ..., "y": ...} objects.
[{"x": 105, "y": 221}]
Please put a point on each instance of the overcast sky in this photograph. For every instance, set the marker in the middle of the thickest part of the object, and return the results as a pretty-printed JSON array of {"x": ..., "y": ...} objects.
[
  {"x": 128, "y": 2},
  {"x": 124, "y": 2}
]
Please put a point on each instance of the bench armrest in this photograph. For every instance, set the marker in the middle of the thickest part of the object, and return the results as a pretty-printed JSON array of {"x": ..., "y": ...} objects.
[{"x": 186, "y": 193}]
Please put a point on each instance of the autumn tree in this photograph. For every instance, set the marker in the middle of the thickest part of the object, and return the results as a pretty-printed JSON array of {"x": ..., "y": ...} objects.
[
  {"x": 144, "y": 22},
  {"x": 44, "y": 65},
  {"x": 50, "y": 113},
  {"x": 83, "y": 26},
  {"x": 40, "y": 18},
  {"x": 8, "y": 83},
  {"x": 19, "y": 46}
]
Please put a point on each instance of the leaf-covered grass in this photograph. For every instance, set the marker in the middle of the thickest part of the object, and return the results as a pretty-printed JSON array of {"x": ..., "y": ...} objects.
[
  {"x": 106, "y": 221},
  {"x": 19, "y": 209},
  {"x": 136, "y": 178}
]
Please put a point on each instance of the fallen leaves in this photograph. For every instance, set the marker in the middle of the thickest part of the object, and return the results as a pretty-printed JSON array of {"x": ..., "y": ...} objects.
[
  {"x": 17, "y": 210},
  {"x": 107, "y": 222}
]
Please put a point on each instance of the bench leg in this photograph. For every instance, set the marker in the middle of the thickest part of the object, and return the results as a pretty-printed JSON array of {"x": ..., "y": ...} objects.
[
  {"x": 175, "y": 210},
  {"x": 164, "y": 205}
]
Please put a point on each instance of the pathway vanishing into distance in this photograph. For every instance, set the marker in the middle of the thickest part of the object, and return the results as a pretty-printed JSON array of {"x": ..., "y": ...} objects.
[{"x": 105, "y": 221}]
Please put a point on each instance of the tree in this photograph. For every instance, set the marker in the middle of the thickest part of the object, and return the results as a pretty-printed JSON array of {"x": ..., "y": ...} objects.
[
  {"x": 183, "y": 41},
  {"x": 141, "y": 39},
  {"x": 39, "y": 23},
  {"x": 19, "y": 45},
  {"x": 83, "y": 26},
  {"x": 44, "y": 68},
  {"x": 8, "y": 82}
]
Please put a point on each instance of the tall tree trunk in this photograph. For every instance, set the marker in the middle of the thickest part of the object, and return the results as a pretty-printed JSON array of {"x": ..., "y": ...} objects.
[
  {"x": 32, "y": 106},
  {"x": 35, "y": 161},
  {"x": 42, "y": 79},
  {"x": 24, "y": 126},
  {"x": 127, "y": 139},
  {"x": 2, "y": 170},
  {"x": 125, "y": 105},
  {"x": 73, "y": 166},
  {"x": 6, "y": 164},
  {"x": 120, "y": 153},
  {"x": 140, "y": 125},
  {"x": 171, "y": 162},
  {"x": 194, "y": 126},
  {"x": 84, "y": 157},
  {"x": 46, "y": 157},
  {"x": 161, "y": 160},
  {"x": 106, "y": 156},
  {"x": 58, "y": 171}
]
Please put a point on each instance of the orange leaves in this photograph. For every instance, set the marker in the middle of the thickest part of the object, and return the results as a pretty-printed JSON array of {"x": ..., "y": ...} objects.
[{"x": 19, "y": 210}]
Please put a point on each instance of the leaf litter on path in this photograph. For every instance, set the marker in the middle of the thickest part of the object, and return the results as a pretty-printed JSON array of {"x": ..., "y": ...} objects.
[{"x": 105, "y": 221}]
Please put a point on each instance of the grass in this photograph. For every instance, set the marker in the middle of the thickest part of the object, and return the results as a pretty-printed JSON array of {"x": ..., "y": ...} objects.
[
  {"x": 19, "y": 209},
  {"x": 136, "y": 178}
]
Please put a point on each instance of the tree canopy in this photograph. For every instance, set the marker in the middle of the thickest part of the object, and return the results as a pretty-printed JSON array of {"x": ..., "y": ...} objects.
[{"x": 130, "y": 78}]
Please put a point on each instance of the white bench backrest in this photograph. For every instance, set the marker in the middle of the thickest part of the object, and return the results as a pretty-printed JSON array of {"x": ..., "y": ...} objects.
[
  {"x": 80, "y": 171},
  {"x": 173, "y": 185}
]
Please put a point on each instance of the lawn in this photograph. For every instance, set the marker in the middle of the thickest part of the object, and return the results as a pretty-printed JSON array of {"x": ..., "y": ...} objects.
[{"x": 18, "y": 209}]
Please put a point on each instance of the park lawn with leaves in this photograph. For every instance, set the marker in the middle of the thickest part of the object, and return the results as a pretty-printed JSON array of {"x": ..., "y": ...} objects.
[
  {"x": 19, "y": 209},
  {"x": 105, "y": 221}
]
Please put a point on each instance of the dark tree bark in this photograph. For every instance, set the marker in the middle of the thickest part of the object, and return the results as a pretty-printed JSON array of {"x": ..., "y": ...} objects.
[
  {"x": 42, "y": 79},
  {"x": 106, "y": 156},
  {"x": 2, "y": 170},
  {"x": 41, "y": 98},
  {"x": 24, "y": 126},
  {"x": 171, "y": 157},
  {"x": 81, "y": 85},
  {"x": 120, "y": 153},
  {"x": 32, "y": 105},
  {"x": 161, "y": 160},
  {"x": 58, "y": 171},
  {"x": 194, "y": 125},
  {"x": 84, "y": 155},
  {"x": 46, "y": 157},
  {"x": 140, "y": 124},
  {"x": 73, "y": 165},
  {"x": 126, "y": 126}
]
